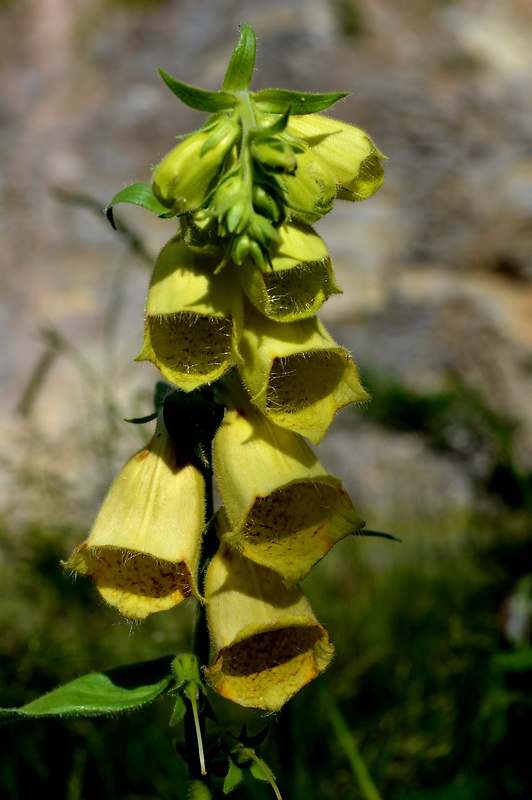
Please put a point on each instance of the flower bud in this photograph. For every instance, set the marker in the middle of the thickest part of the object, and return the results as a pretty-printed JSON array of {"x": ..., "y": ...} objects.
[
  {"x": 347, "y": 151},
  {"x": 193, "y": 317},
  {"x": 298, "y": 279},
  {"x": 310, "y": 192},
  {"x": 143, "y": 550},
  {"x": 284, "y": 510},
  {"x": 187, "y": 174},
  {"x": 296, "y": 373},
  {"x": 265, "y": 637},
  {"x": 267, "y": 203},
  {"x": 274, "y": 154}
]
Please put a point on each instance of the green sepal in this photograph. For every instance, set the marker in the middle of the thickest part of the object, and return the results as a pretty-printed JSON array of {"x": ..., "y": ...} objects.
[
  {"x": 234, "y": 776},
  {"x": 180, "y": 709},
  {"x": 140, "y": 194},
  {"x": 110, "y": 692},
  {"x": 199, "y": 99},
  {"x": 276, "y": 101},
  {"x": 240, "y": 69},
  {"x": 258, "y": 772}
]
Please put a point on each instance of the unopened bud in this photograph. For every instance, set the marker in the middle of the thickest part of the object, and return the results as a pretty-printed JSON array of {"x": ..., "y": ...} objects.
[{"x": 188, "y": 173}]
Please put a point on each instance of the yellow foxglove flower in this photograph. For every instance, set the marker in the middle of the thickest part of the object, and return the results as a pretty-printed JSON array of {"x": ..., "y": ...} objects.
[
  {"x": 285, "y": 510},
  {"x": 296, "y": 373},
  {"x": 265, "y": 637},
  {"x": 298, "y": 279},
  {"x": 346, "y": 150},
  {"x": 193, "y": 317},
  {"x": 187, "y": 174},
  {"x": 144, "y": 547}
]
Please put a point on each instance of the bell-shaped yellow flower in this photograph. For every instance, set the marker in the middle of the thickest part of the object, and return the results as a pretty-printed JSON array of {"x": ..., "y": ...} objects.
[
  {"x": 285, "y": 511},
  {"x": 265, "y": 637},
  {"x": 297, "y": 280},
  {"x": 346, "y": 150},
  {"x": 193, "y": 317},
  {"x": 188, "y": 173},
  {"x": 144, "y": 547},
  {"x": 296, "y": 373}
]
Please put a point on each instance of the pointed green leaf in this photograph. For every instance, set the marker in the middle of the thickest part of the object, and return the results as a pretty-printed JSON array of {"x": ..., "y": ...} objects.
[
  {"x": 240, "y": 69},
  {"x": 140, "y": 194},
  {"x": 276, "y": 101},
  {"x": 198, "y": 99},
  {"x": 233, "y": 778},
  {"x": 110, "y": 692}
]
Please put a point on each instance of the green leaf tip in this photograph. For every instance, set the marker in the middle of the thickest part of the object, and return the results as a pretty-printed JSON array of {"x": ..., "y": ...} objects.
[
  {"x": 240, "y": 69},
  {"x": 139, "y": 194},
  {"x": 199, "y": 99}
]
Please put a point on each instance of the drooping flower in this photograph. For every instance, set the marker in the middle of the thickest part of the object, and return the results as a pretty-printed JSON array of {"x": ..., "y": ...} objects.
[
  {"x": 193, "y": 317},
  {"x": 347, "y": 151},
  {"x": 284, "y": 510},
  {"x": 144, "y": 547},
  {"x": 298, "y": 278},
  {"x": 296, "y": 373},
  {"x": 266, "y": 640}
]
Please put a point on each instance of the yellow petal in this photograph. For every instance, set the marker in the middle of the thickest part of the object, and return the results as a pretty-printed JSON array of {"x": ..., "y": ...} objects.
[
  {"x": 297, "y": 374},
  {"x": 285, "y": 510},
  {"x": 266, "y": 639},
  {"x": 143, "y": 550},
  {"x": 298, "y": 279},
  {"x": 193, "y": 317},
  {"x": 347, "y": 151}
]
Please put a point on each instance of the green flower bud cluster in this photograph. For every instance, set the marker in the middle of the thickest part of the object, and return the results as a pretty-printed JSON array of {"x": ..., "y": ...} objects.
[{"x": 232, "y": 307}]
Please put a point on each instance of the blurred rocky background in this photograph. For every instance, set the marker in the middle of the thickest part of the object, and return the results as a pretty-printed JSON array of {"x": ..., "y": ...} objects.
[{"x": 436, "y": 268}]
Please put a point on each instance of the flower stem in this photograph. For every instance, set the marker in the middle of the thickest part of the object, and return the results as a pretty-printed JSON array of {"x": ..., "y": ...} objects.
[{"x": 352, "y": 753}]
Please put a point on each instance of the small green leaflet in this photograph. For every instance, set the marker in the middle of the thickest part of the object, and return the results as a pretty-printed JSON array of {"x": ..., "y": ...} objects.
[
  {"x": 110, "y": 692},
  {"x": 140, "y": 194}
]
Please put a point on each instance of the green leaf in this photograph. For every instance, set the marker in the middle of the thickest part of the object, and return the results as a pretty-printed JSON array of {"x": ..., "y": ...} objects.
[
  {"x": 198, "y": 99},
  {"x": 240, "y": 69},
  {"x": 233, "y": 778},
  {"x": 514, "y": 661},
  {"x": 140, "y": 194},
  {"x": 276, "y": 101},
  {"x": 109, "y": 692}
]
